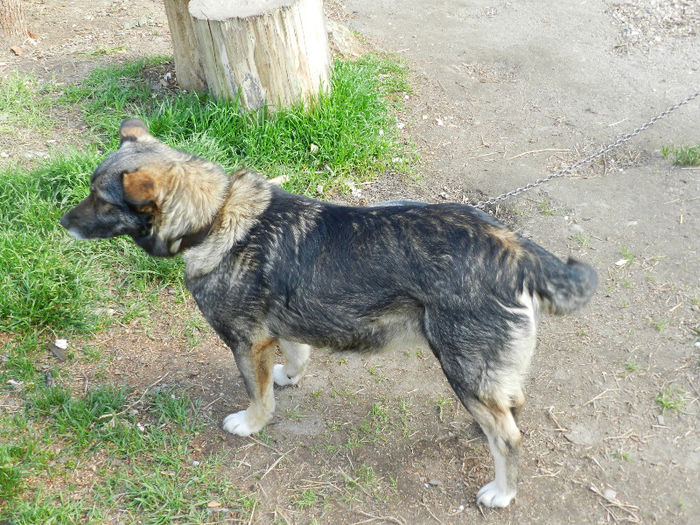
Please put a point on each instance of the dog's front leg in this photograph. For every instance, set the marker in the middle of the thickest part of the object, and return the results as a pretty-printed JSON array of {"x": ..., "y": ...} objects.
[{"x": 255, "y": 365}]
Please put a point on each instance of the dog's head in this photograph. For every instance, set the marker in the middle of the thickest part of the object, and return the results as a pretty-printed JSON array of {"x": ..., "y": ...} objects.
[{"x": 155, "y": 194}]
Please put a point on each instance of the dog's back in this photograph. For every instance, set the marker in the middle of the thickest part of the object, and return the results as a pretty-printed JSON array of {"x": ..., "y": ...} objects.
[{"x": 362, "y": 263}]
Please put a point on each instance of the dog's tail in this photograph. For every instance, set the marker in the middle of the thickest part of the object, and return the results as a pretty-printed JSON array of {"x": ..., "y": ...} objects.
[{"x": 562, "y": 287}]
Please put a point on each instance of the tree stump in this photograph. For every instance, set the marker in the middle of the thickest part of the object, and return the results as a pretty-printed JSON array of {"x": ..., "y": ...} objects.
[
  {"x": 13, "y": 26},
  {"x": 188, "y": 65},
  {"x": 270, "y": 53}
]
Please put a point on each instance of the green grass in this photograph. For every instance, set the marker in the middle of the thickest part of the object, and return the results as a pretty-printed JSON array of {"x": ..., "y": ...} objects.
[
  {"x": 546, "y": 209},
  {"x": 441, "y": 403},
  {"x": 24, "y": 101},
  {"x": 682, "y": 156},
  {"x": 660, "y": 325},
  {"x": 582, "y": 240},
  {"x": 671, "y": 399},
  {"x": 351, "y": 128},
  {"x": 306, "y": 499},
  {"x": 631, "y": 366},
  {"x": 148, "y": 474},
  {"x": 627, "y": 254}
]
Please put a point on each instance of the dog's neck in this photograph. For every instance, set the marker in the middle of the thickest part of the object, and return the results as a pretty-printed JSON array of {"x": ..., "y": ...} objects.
[
  {"x": 248, "y": 197},
  {"x": 194, "y": 239}
]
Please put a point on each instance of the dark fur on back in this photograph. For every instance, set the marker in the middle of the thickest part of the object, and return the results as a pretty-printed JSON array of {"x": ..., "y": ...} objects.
[
  {"x": 408, "y": 257},
  {"x": 270, "y": 268}
]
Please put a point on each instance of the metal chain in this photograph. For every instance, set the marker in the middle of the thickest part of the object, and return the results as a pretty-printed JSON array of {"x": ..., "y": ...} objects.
[{"x": 590, "y": 158}]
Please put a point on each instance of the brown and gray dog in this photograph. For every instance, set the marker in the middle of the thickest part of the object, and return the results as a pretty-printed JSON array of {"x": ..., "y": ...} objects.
[{"x": 268, "y": 269}]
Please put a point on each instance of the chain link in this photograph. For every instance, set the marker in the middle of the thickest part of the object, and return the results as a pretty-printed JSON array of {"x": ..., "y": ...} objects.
[{"x": 590, "y": 158}]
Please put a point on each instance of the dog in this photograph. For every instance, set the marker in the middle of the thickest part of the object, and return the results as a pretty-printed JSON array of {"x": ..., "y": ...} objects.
[{"x": 271, "y": 269}]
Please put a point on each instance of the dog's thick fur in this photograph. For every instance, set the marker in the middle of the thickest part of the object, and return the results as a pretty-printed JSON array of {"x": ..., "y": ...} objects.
[{"x": 268, "y": 268}]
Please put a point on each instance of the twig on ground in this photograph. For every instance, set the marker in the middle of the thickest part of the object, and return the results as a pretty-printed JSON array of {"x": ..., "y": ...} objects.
[
  {"x": 276, "y": 462},
  {"x": 431, "y": 513},
  {"x": 256, "y": 440},
  {"x": 559, "y": 428},
  {"x": 613, "y": 502},
  {"x": 354, "y": 482},
  {"x": 534, "y": 151},
  {"x": 210, "y": 404},
  {"x": 372, "y": 518},
  {"x": 286, "y": 520},
  {"x": 131, "y": 405},
  {"x": 252, "y": 512},
  {"x": 593, "y": 400}
]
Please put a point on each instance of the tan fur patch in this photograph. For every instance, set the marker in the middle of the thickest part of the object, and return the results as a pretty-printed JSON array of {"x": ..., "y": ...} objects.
[
  {"x": 504, "y": 421},
  {"x": 248, "y": 197},
  {"x": 262, "y": 358},
  {"x": 132, "y": 132},
  {"x": 507, "y": 239},
  {"x": 140, "y": 187}
]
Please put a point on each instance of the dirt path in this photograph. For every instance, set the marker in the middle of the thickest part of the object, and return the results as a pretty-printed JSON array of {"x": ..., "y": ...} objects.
[
  {"x": 514, "y": 89},
  {"x": 504, "y": 92}
]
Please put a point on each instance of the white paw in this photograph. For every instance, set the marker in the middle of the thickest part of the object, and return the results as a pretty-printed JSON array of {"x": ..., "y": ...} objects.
[
  {"x": 282, "y": 379},
  {"x": 491, "y": 496},
  {"x": 238, "y": 424}
]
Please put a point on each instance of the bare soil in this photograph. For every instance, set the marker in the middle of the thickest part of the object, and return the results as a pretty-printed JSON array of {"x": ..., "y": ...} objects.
[{"x": 504, "y": 92}]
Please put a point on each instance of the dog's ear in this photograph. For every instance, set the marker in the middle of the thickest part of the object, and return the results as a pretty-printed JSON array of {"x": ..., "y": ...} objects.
[
  {"x": 133, "y": 130},
  {"x": 140, "y": 188}
]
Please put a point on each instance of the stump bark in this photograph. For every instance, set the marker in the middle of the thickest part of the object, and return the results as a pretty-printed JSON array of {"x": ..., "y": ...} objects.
[
  {"x": 13, "y": 25},
  {"x": 188, "y": 65},
  {"x": 265, "y": 52}
]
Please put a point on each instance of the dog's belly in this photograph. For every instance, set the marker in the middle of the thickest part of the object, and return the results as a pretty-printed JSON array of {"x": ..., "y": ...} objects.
[{"x": 397, "y": 330}]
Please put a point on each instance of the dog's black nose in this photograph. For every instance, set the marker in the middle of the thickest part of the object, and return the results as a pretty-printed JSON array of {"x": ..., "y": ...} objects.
[{"x": 64, "y": 221}]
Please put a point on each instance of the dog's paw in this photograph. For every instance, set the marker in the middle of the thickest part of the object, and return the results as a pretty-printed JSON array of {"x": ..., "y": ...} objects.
[
  {"x": 282, "y": 379},
  {"x": 491, "y": 496},
  {"x": 239, "y": 424}
]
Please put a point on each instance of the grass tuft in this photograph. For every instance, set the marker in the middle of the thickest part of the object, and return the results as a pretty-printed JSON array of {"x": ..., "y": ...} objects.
[
  {"x": 682, "y": 156},
  {"x": 671, "y": 399},
  {"x": 22, "y": 102}
]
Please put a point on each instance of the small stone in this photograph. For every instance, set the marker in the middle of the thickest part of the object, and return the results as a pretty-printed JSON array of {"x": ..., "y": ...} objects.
[
  {"x": 582, "y": 435},
  {"x": 609, "y": 493}
]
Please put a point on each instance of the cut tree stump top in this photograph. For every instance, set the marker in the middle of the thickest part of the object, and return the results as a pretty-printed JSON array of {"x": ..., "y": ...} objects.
[{"x": 225, "y": 9}]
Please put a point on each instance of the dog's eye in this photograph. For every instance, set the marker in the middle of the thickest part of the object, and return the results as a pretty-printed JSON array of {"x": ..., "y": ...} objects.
[
  {"x": 146, "y": 209},
  {"x": 102, "y": 204}
]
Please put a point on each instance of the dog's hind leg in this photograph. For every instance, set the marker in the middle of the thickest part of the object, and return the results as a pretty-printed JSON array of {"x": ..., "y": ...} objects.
[
  {"x": 498, "y": 423},
  {"x": 486, "y": 372},
  {"x": 495, "y": 414},
  {"x": 255, "y": 365},
  {"x": 297, "y": 355}
]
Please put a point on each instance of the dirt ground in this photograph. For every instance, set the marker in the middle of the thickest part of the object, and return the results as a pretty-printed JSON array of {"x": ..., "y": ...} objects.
[{"x": 504, "y": 92}]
